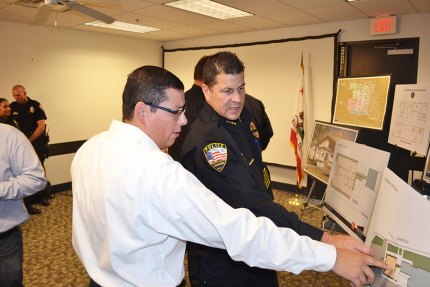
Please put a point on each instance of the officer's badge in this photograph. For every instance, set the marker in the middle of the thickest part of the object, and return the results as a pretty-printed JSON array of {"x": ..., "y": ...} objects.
[
  {"x": 31, "y": 109},
  {"x": 216, "y": 155},
  {"x": 254, "y": 130}
]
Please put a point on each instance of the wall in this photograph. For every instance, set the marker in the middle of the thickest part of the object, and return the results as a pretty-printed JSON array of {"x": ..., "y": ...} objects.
[
  {"x": 408, "y": 26},
  {"x": 78, "y": 77}
]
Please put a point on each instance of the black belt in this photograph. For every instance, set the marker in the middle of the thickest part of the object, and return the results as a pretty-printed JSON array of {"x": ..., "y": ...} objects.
[{"x": 8, "y": 232}]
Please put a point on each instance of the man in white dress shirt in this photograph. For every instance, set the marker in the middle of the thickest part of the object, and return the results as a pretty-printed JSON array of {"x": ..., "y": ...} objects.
[
  {"x": 134, "y": 207},
  {"x": 21, "y": 174}
]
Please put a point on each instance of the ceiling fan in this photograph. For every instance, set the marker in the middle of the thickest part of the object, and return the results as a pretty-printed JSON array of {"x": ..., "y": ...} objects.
[{"x": 44, "y": 8}]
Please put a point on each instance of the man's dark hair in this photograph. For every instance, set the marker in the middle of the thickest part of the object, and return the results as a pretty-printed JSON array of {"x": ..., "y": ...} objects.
[
  {"x": 221, "y": 62},
  {"x": 198, "y": 69},
  {"x": 147, "y": 84},
  {"x": 2, "y": 100}
]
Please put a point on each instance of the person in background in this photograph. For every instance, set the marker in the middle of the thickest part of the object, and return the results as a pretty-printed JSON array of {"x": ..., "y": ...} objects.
[
  {"x": 134, "y": 207},
  {"x": 31, "y": 121},
  {"x": 224, "y": 153},
  {"x": 194, "y": 100},
  {"x": 21, "y": 175},
  {"x": 5, "y": 117}
]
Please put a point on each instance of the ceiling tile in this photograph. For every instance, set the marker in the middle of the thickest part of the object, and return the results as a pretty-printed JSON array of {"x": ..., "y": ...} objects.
[
  {"x": 294, "y": 18},
  {"x": 311, "y": 3},
  {"x": 147, "y": 21},
  {"x": 384, "y": 7},
  {"x": 173, "y": 14},
  {"x": 224, "y": 27},
  {"x": 423, "y": 6},
  {"x": 256, "y": 22},
  {"x": 343, "y": 13}
]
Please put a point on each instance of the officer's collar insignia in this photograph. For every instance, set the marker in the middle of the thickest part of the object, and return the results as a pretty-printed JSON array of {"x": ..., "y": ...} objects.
[
  {"x": 232, "y": 122},
  {"x": 31, "y": 109},
  {"x": 216, "y": 155},
  {"x": 254, "y": 130}
]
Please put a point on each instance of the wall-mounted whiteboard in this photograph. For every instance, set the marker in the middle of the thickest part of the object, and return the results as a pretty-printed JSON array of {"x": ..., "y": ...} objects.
[{"x": 272, "y": 74}]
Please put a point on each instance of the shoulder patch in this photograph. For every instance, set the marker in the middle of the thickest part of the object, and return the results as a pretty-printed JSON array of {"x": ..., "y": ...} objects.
[
  {"x": 216, "y": 155},
  {"x": 31, "y": 109}
]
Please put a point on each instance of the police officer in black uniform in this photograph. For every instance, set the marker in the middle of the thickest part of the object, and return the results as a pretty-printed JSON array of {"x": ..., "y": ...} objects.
[
  {"x": 31, "y": 121},
  {"x": 223, "y": 150}
]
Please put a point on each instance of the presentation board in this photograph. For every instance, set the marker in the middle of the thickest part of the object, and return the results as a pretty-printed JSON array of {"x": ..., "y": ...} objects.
[
  {"x": 353, "y": 184},
  {"x": 410, "y": 120},
  {"x": 399, "y": 234},
  {"x": 361, "y": 101},
  {"x": 321, "y": 148},
  {"x": 272, "y": 74}
]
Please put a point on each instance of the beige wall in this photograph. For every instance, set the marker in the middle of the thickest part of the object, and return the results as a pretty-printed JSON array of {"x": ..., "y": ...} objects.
[{"x": 78, "y": 77}]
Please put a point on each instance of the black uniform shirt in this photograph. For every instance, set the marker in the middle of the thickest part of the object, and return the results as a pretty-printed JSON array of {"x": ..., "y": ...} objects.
[
  {"x": 226, "y": 158},
  {"x": 27, "y": 115}
]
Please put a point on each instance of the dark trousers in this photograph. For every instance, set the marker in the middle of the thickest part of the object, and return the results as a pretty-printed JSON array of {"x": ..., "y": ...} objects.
[{"x": 11, "y": 250}]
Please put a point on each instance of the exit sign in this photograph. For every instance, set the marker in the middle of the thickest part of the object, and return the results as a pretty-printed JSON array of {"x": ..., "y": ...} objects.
[{"x": 383, "y": 25}]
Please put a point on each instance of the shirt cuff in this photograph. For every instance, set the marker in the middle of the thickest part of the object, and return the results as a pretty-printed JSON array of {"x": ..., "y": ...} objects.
[{"x": 325, "y": 257}]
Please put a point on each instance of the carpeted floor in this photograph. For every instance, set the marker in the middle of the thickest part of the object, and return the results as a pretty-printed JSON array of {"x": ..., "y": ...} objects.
[{"x": 49, "y": 259}]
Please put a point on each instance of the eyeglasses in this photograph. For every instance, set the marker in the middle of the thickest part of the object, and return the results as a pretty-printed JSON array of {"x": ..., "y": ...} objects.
[{"x": 177, "y": 112}]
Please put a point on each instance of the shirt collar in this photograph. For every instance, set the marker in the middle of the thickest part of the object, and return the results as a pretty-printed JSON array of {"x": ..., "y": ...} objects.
[{"x": 130, "y": 133}]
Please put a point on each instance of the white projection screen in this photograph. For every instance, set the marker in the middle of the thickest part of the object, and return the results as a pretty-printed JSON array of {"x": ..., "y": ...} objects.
[{"x": 272, "y": 74}]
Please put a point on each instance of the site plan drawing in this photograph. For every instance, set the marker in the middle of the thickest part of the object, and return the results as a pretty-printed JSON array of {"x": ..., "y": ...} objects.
[
  {"x": 321, "y": 148},
  {"x": 399, "y": 234},
  {"x": 410, "y": 121},
  {"x": 362, "y": 101},
  {"x": 353, "y": 185}
]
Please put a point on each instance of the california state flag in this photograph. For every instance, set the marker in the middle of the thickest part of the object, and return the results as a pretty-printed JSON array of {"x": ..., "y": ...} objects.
[{"x": 297, "y": 133}]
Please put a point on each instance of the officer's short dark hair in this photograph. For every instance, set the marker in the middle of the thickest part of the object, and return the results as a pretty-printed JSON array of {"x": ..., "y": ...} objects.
[
  {"x": 147, "y": 84},
  {"x": 198, "y": 69},
  {"x": 221, "y": 62},
  {"x": 2, "y": 100}
]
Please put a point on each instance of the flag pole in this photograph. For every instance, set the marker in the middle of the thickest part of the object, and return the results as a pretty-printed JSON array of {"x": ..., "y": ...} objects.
[{"x": 298, "y": 129}]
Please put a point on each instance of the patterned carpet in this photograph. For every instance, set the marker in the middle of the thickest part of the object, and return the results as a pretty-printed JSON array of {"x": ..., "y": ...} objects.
[{"x": 49, "y": 259}]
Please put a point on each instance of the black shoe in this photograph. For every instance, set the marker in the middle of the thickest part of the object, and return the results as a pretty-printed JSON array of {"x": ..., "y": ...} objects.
[
  {"x": 43, "y": 201},
  {"x": 33, "y": 210}
]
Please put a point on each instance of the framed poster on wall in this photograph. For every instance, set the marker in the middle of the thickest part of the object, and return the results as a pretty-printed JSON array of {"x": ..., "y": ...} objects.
[
  {"x": 361, "y": 101},
  {"x": 321, "y": 148}
]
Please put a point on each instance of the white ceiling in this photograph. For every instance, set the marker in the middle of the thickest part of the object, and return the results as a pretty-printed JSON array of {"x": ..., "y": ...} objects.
[{"x": 177, "y": 24}]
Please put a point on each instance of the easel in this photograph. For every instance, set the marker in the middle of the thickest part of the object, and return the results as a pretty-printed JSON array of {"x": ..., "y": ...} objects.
[{"x": 307, "y": 204}]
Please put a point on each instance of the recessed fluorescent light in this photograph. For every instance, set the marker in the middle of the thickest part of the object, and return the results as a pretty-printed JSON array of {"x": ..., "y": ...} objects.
[
  {"x": 209, "y": 8},
  {"x": 123, "y": 26}
]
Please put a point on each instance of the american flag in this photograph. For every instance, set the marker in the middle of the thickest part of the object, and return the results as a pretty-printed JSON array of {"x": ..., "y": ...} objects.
[{"x": 216, "y": 155}]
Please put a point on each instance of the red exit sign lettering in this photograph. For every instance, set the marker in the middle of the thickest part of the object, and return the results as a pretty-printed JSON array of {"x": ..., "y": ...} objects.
[{"x": 385, "y": 25}]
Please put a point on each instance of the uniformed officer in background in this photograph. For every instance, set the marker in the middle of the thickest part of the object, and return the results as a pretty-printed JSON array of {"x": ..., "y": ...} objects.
[{"x": 31, "y": 118}]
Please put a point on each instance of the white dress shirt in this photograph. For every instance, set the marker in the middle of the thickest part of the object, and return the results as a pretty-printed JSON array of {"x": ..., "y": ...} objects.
[
  {"x": 21, "y": 174},
  {"x": 134, "y": 208}
]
